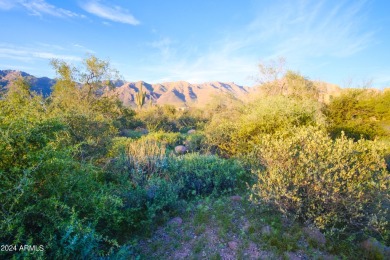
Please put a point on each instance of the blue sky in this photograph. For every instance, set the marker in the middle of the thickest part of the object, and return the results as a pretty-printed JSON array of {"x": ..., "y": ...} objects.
[{"x": 198, "y": 41}]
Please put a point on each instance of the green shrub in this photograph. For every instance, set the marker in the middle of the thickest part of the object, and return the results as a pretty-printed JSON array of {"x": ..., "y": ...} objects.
[
  {"x": 145, "y": 158},
  {"x": 170, "y": 140},
  {"x": 193, "y": 118},
  {"x": 158, "y": 119},
  {"x": 359, "y": 113},
  {"x": 141, "y": 158},
  {"x": 53, "y": 193},
  {"x": 196, "y": 142},
  {"x": 236, "y": 131},
  {"x": 337, "y": 184},
  {"x": 205, "y": 174},
  {"x": 49, "y": 197}
]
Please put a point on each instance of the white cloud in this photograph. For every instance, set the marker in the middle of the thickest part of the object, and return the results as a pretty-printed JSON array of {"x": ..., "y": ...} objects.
[
  {"x": 38, "y": 8},
  {"x": 25, "y": 54},
  {"x": 115, "y": 14}
]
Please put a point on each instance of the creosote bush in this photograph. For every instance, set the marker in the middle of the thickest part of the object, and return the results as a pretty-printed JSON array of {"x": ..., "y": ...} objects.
[
  {"x": 236, "y": 131},
  {"x": 337, "y": 184}
]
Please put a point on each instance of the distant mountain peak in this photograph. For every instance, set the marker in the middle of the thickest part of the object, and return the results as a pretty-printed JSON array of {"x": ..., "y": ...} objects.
[{"x": 41, "y": 85}]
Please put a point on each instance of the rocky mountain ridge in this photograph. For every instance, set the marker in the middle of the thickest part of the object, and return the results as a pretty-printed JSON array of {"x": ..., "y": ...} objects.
[
  {"x": 40, "y": 85},
  {"x": 179, "y": 93}
]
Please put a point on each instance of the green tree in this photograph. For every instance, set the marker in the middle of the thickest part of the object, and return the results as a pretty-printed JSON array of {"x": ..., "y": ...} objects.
[{"x": 81, "y": 98}]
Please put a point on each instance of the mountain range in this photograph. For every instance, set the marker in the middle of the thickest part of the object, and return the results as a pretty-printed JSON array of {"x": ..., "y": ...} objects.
[
  {"x": 41, "y": 85},
  {"x": 179, "y": 93}
]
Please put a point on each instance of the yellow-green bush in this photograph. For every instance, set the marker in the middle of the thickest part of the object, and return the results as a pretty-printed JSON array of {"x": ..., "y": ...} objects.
[
  {"x": 158, "y": 118},
  {"x": 333, "y": 183},
  {"x": 237, "y": 130},
  {"x": 360, "y": 112},
  {"x": 168, "y": 139}
]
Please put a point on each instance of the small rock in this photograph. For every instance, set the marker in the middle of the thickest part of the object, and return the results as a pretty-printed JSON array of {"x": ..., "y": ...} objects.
[
  {"x": 266, "y": 230},
  {"x": 176, "y": 221},
  {"x": 191, "y": 131},
  {"x": 374, "y": 247},
  {"x": 233, "y": 245},
  {"x": 235, "y": 198},
  {"x": 180, "y": 149},
  {"x": 315, "y": 235}
]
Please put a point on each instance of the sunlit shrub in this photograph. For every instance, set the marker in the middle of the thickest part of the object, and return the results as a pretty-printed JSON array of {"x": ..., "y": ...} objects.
[
  {"x": 359, "y": 113},
  {"x": 158, "y": 119},
  {"x": 237, "y": 131},
  {"x": 338, "y": 184}
]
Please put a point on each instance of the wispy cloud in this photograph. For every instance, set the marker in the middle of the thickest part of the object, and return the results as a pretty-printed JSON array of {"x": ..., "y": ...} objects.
[
  {"x": 312, "y": 29},
  {"x": 82, "y": 48},
  {"x": 26, "y": 54},
  {"x": 115, "y": 13},
  {"x": 164, "y": 46},
  {"x": 38, "y": 8},
  {"x": 301, "y": 31}
]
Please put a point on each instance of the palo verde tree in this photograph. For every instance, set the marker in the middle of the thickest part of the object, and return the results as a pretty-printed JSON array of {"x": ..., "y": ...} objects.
[
  {"x": 277, "y": 80},
  {"x": 82, "y": 98},
  {"x": 45, "y": 191},
  {"x": 271, "y": 75}
]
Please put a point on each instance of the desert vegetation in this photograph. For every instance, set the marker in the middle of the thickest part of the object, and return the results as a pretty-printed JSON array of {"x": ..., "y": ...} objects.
[{"x": 89, "y": 178}]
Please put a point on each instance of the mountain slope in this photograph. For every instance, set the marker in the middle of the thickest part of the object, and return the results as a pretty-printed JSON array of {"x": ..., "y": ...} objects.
[
  {"x": 179, "y": 93},
  {"x": 40, "y": 85}
]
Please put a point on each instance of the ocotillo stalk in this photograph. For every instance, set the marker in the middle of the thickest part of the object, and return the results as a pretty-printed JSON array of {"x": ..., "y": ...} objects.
[{"x": 140, "y": 98}]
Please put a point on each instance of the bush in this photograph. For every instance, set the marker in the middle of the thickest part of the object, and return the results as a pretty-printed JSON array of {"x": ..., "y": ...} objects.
[
  {"x": 196, "y": 142},
  {"x": 205, "y": 174},
  {"x": 170, "y": 140},
  {"x": 338, "y": 184},
  {"x": 359, "y": 113},
  {"x": 158, "y": 119},
  {"x": 193, "y": 118},
  {"x": 145, "y": 158},
  {"x": 236, "y": 131},
  {"x": 138, "y": 176},
  {"x": 56, "y": 201}
]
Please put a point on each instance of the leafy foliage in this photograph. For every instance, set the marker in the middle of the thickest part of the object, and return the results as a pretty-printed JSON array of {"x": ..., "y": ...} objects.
[
  {"x": 337, "y": 184},
  {"x": 359, "y": 113},
  {"x": 237, "y": 131}
]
